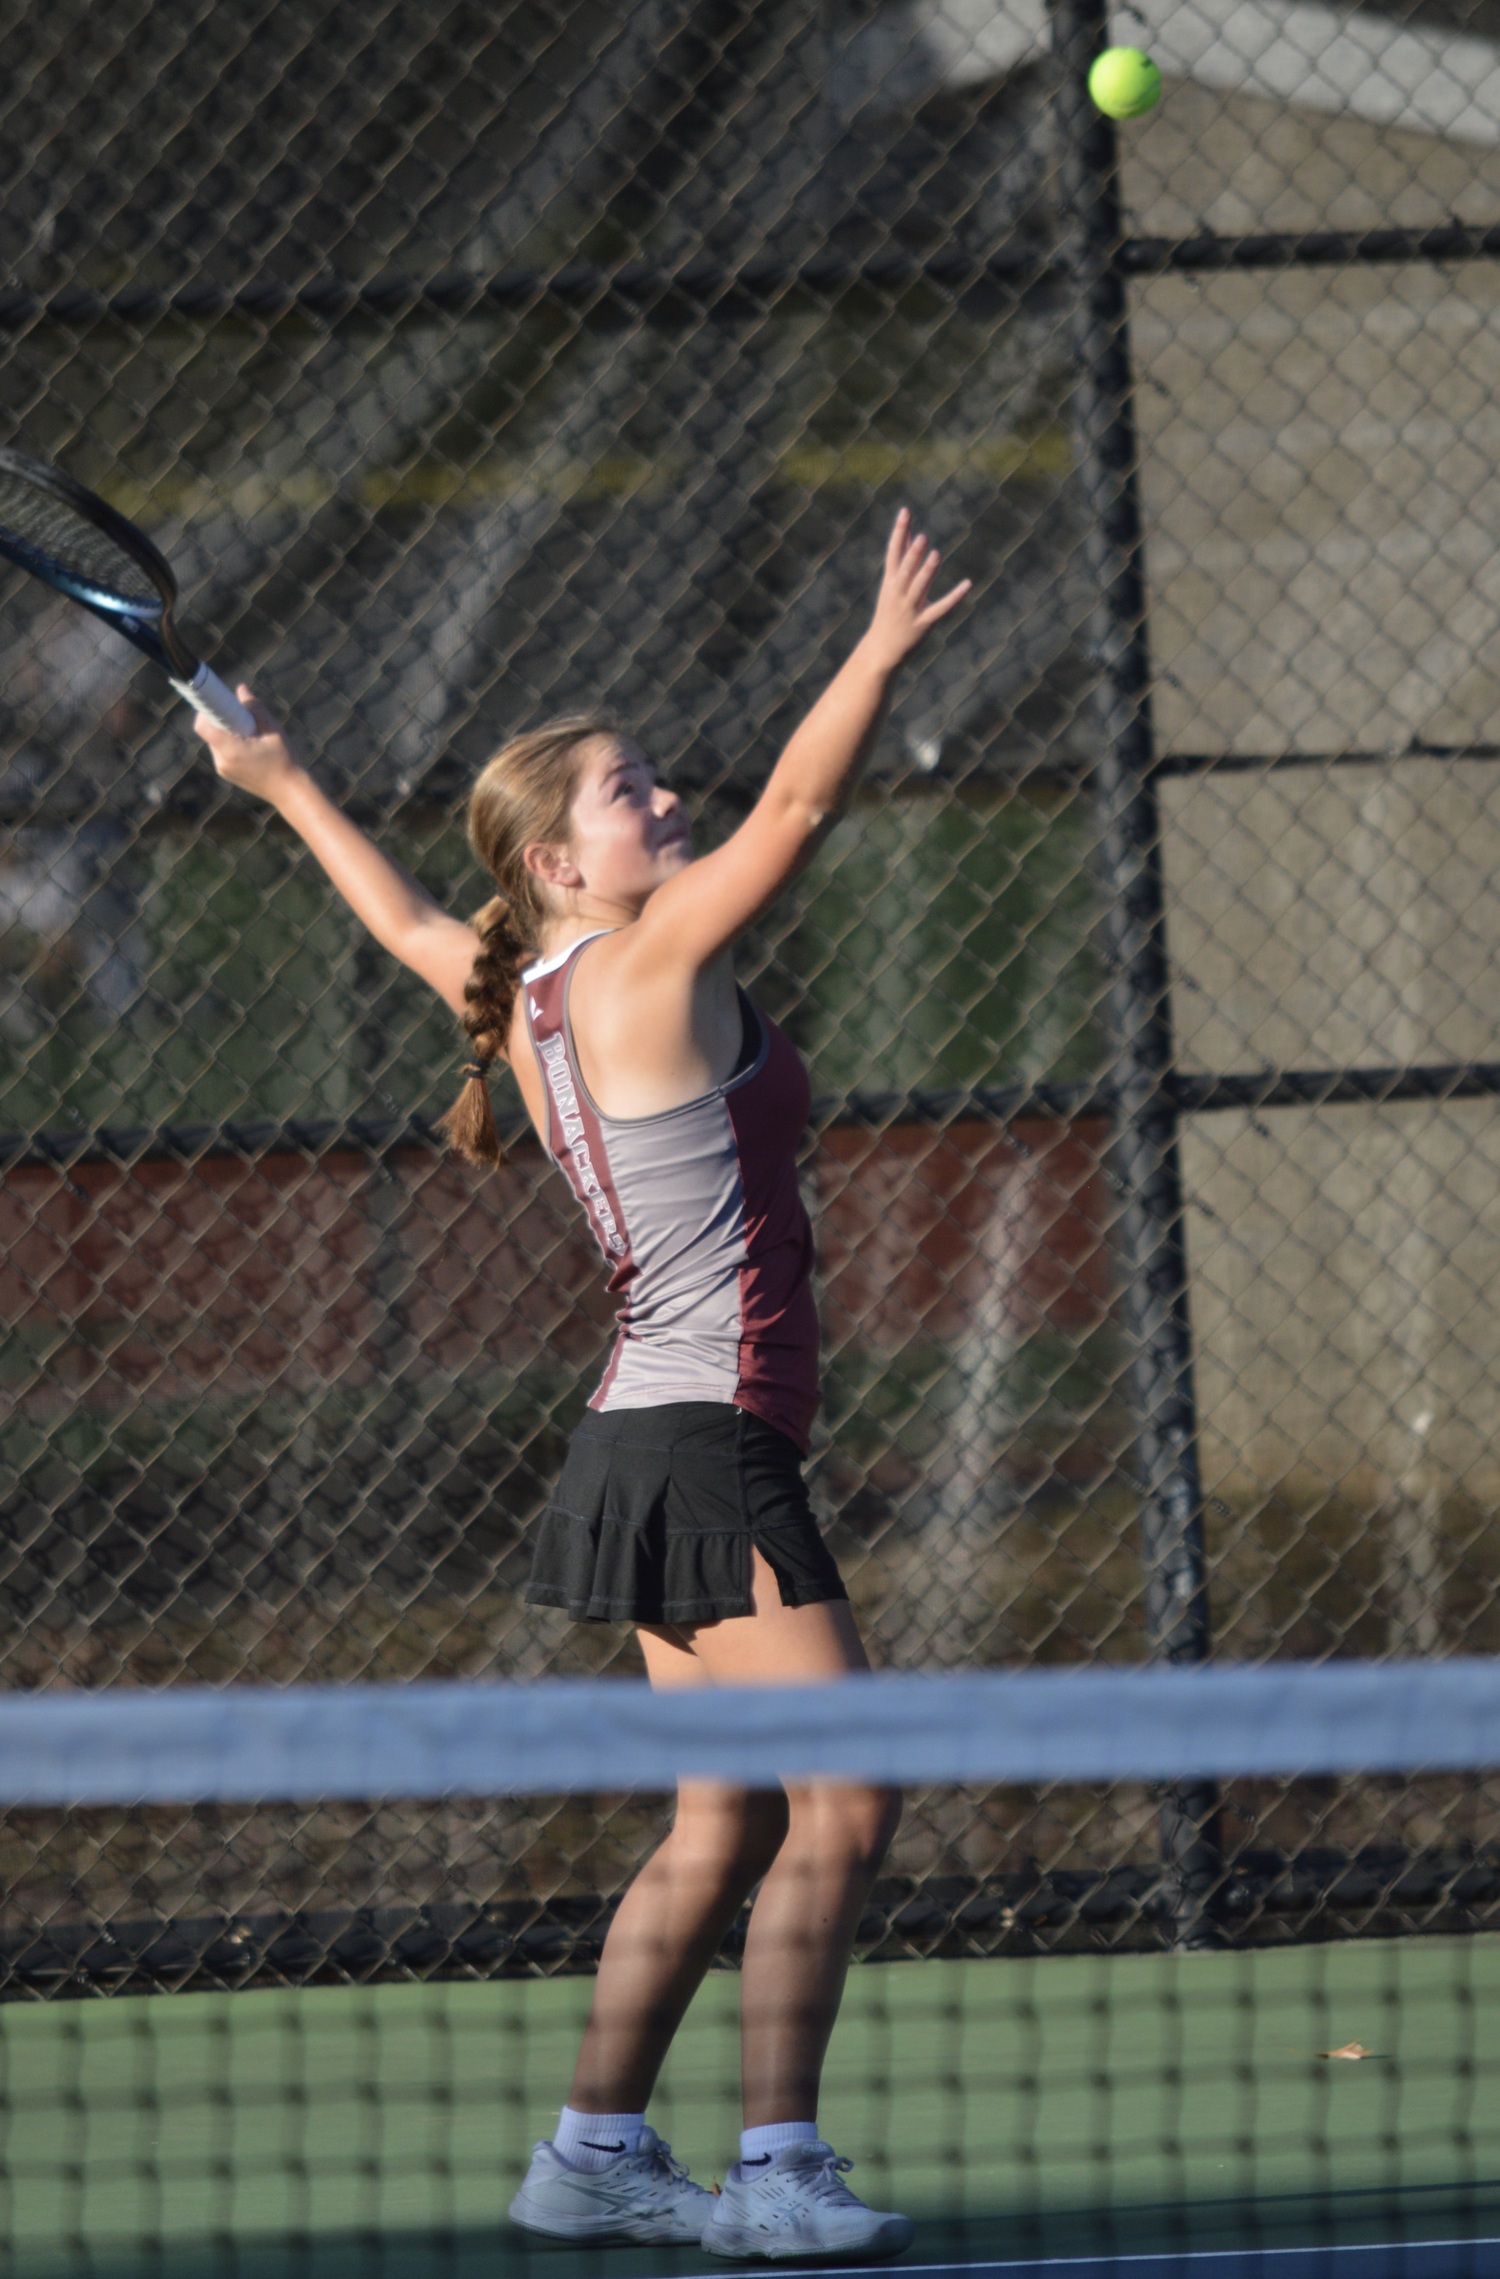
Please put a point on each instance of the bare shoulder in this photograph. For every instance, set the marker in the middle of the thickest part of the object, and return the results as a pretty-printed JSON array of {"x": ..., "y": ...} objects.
[
  {"x": 623, "y": 960},
  {"x": 651, "y": 1033},
  {"x": 624, "y": 989}
]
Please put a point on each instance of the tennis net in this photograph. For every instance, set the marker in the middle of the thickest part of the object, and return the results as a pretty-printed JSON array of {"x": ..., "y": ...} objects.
[{"x": 1189, "y": 2081}]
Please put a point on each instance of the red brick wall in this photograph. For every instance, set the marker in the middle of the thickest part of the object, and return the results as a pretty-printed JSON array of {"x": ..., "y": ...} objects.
[{"x": 165, "y": 1281}]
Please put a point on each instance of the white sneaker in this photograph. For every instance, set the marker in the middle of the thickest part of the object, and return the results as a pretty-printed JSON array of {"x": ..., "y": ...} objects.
[
  {"x": 644, "y": 2195},
  {"x": 797, "y": 2205}
]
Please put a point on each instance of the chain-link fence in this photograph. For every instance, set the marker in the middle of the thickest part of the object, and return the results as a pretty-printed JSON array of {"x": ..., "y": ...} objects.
[{"x": 477, "y": 364}]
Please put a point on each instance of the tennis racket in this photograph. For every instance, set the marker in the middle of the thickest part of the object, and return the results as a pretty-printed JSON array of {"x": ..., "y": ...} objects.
[{"x": 74, "y": 543}]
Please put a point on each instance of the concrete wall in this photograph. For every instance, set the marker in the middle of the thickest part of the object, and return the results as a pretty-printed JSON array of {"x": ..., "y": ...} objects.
[
  {"x": 1335, "y": 916},
  {"x": 1204, "y": 159},
  {"x": 1321, "y": 478}
]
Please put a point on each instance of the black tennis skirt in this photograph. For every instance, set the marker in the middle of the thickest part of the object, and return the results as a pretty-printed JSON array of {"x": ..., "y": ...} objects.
[{"x": 656, "y": 1511}]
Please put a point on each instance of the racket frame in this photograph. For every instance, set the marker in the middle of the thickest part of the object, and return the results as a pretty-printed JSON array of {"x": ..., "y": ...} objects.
[{"x": 153, "y": 631}]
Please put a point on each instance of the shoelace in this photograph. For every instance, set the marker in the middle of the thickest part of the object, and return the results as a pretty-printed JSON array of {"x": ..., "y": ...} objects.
[
  {"x": 827, "y": 2181},
  {"x": 676, "y": 2169}
]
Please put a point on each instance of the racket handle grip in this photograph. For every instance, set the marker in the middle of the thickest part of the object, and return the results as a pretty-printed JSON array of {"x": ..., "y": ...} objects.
[{"x": 205, "y": 692}]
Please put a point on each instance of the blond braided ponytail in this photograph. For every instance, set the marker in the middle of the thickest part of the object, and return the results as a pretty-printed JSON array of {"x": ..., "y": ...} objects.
[{"x": 491, "y": 994}]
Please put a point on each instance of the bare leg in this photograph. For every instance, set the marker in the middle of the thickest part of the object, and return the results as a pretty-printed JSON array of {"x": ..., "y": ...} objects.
[
  {"x": 804, "y": 1920},
  {"x": 664, "y": 1936},
  {"x": 819, "y": 1850},
  {"x": 797, "y": 1952}
]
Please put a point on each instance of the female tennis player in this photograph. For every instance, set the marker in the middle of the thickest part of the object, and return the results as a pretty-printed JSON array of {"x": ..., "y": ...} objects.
[{"x": 603, "y": 975}]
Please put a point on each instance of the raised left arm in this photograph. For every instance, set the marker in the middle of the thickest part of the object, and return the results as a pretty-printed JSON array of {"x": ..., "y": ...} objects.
[{"x": 695, "y": 915}]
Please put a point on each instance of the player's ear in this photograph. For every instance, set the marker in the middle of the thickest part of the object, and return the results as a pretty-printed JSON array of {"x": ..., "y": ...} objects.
[{"x": 553, "y": 866}]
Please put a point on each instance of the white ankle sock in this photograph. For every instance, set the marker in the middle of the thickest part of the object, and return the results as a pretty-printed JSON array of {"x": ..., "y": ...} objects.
[
  {"x": 758, "y": 2145},
  {"x": 592, "y": 2141}
]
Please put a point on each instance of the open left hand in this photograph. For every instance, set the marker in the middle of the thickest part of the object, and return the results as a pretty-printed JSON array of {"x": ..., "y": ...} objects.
[{"x": 903, "y": 612}]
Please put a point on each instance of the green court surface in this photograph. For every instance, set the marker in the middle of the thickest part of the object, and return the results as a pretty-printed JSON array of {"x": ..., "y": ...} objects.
[{"x": 1017, "y": 2108}]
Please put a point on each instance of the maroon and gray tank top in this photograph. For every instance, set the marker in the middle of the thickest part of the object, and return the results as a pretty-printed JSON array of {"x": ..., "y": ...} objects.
[{"x": 699, "y": 1216}]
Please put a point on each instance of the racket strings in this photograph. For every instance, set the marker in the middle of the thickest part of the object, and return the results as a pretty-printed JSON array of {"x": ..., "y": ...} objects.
[{"x": 39, "y": 519}]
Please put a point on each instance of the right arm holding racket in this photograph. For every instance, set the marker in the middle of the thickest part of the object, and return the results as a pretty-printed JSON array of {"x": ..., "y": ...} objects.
[
  {"x": 84, "y": 549},
  {"x": 402, "y": 916}
]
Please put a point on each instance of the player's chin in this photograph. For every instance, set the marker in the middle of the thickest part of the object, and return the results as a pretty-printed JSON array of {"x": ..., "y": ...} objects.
[{"x": 674, "y": 856}]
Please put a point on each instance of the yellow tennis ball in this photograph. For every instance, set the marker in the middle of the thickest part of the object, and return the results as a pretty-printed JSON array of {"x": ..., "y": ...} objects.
[{"x": 1124, "y": 82}]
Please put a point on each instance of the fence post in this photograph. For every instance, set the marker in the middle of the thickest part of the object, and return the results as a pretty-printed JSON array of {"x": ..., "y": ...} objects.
[{"x": 1150, "y": 1238}]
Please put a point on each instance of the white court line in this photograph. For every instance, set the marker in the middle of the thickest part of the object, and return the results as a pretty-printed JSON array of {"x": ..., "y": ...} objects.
[{"x": 1183, "y": 2258}]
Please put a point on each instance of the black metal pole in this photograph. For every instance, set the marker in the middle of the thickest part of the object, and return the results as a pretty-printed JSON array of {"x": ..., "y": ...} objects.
[{"x": 1144, "y": 1165}]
